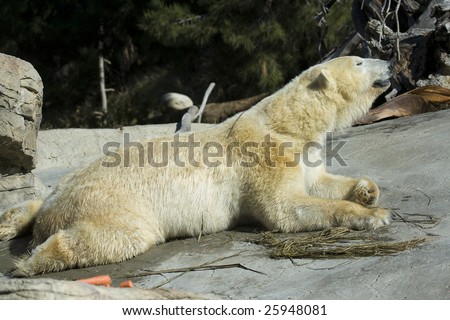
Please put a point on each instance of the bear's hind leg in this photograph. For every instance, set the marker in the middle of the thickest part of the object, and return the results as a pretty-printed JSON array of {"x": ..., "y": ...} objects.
[
  {"x": 16, "y": 221},
  {"x": 86, "y": 244}
]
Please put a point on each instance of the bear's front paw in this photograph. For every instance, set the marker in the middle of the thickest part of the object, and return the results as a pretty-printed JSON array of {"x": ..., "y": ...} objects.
[
  {"x": 379, "y": 217},
  {"x": 366, "y": 193}
]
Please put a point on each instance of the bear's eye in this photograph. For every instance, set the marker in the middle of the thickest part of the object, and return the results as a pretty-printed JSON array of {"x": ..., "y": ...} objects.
[{"x": 359, "y": 64}]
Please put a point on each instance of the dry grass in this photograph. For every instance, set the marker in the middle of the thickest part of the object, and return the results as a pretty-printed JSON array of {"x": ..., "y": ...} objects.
[{"x": 334, "y": 243}]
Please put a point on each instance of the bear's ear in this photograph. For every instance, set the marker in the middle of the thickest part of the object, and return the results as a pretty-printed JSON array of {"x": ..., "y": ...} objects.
[{"x": 322, "y": 81}]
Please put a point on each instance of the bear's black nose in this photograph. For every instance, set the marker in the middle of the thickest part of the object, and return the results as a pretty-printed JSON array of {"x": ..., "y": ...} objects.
[{"x": 391, "y": 66}]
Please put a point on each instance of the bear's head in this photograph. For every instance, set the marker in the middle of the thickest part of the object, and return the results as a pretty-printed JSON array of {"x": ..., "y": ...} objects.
[{"x": 352, "y": 82}]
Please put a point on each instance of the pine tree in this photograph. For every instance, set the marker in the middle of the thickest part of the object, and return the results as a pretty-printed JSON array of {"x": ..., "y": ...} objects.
[{"x": 247, "y": 46}]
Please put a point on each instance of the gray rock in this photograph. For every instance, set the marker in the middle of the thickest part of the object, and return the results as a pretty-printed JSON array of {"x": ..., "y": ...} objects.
[
  {"x": 78, "y": 147},
  {"x": 39, "y": 289},
  {"x": 17, "y": 188},
  {"x": 21, "y": 93},
  {"x": 21, "y": 88},
  {"x": 407, "y": 157},
  {"x": 176, "y": 101},
  {"x": 17, "y": 143},
  {"x": 435, "y": 80}
]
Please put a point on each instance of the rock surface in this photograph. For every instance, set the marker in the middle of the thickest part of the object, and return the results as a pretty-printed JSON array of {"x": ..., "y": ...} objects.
[
  {"x": 40, "y": 289},
  {"x": 408, "y": 157},
  {"x": 21, "y": 93},
  {"x": 62, "y": 150},
  {"x": 17, "y": 188}
]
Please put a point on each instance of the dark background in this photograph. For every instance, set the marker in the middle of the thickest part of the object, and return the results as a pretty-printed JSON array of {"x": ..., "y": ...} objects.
[{"x": 155, "y": 46}]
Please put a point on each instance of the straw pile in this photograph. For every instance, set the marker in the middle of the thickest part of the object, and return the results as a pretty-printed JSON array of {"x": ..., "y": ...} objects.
[{"x": 334, "y": 243}]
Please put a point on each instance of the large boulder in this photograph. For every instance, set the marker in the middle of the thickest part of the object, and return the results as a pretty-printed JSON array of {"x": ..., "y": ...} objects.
[{"x": 21, "y": 93}]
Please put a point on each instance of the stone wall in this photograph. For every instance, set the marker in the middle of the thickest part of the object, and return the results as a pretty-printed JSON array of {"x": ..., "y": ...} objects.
[{"x": 21, "y": 94}]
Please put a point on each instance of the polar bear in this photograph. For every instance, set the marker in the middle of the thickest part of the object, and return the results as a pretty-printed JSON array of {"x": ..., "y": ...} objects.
[{"x": 247, "y": 169}]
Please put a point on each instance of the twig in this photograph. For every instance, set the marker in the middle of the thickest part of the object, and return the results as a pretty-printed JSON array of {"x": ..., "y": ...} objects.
[
  {"x": 101, "y": 66},
  {"x": 186, "y": 120},
  {"x": 417, "y": 222},
  {"x": 182, "y": 274},
  {"x": 196, "y": 268},
  {"x": 384, "y": 14},
  {"x": 203, "y": 267},
  {"x": 397, "y": 40},
  {"x": 400, "y": 216},
  {"x": 234, "y": 123},
  {"x": 391, "y": 94},
  {"x": 189, "y": 20},
  {"x": 295, "y": 264},
  {"x": 194, "y": 112},
  {"x": 428, "y": 197},
  {"x": 205, "y": 99},
  {"x": 333, "y": 267},
  {"x": 322, "y": 24}
]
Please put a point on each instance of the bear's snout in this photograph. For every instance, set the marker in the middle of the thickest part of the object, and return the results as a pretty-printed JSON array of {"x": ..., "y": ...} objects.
[
  {"x": 391, "y": 66},
  {"x": 386, "y": 73}
]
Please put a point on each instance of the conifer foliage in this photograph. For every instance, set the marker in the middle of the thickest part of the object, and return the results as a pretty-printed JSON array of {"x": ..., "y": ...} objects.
[{"x": 246, "y": 47}]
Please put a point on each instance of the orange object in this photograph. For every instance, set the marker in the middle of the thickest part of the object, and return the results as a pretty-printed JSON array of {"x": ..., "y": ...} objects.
[
  {"x": 103, "y": 280},
  {"x": 126, "y": 284}
]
